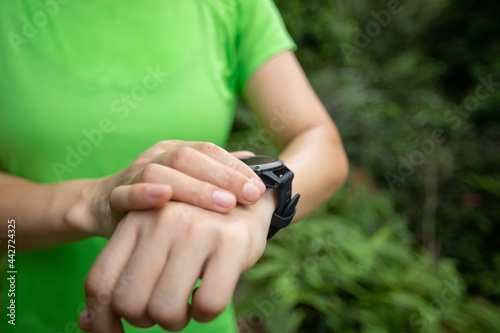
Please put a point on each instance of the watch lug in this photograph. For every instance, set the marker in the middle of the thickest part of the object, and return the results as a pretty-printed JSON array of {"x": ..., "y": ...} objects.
[{"x": 275, "y": 181}]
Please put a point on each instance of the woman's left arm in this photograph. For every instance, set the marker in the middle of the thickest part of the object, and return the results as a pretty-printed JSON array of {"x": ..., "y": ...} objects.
[{"x": 280, "y": 95}]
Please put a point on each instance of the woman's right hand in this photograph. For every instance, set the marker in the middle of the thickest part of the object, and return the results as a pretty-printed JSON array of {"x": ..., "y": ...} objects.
[{"x": 198, "y": 173}]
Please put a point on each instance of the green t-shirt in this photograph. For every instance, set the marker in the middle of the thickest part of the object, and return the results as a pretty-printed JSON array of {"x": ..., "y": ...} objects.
[{"x": 86, "y": 86}]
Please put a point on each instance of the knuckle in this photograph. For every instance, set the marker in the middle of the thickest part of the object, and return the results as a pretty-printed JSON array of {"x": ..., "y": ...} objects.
[
  {"x": 96, "y": 296},
  {"x": 129, "y": 305},
  {"x": 202, "y": 197},
  {"x": 230, "y": 178},
  {"x": 207, "y": 148},
  {"x": 182, "y": 157},
  {"x": 196, "y": 232},
  {"x": 235, "y": 238},
  {"x": 90, "y": 285},
  {"x": 192, "y": 229},
  {"x": 166, "y": 315},
  {"x": 150, "y": 173},
  {"x": 211, "y": 228},
  {"x": 209, "y": 309},
  {"x": 165, "y": 145},
  {"x": 158, "y": 146}
]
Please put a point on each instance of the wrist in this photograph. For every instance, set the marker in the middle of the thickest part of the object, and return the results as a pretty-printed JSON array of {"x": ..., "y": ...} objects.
[
  {"x": 87, "y": 208},
  {"x": 270, "y": 202},
  {"x": 266, "y": 206}
]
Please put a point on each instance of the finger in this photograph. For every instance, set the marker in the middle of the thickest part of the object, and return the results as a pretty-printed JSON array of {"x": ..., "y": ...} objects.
[
  {"x": 146, "y": 264},
  {"x": 102, "y": 280},
  {"x": 242, "y": 154},
  {"x": 211, "y": 150},
  {"x": 218, "y": 283},
  {"x": 139, "y": 196},
  {"x": 83, "y": 321},
  {"x": 188, "y": 189},
  {"x": 224, "y": 157},
  {"x": 169, "y": 305},
  {"x": 200, "y": 166}
]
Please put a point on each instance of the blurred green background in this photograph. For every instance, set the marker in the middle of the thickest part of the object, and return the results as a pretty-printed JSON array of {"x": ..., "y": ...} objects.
[{"x": 410, "y": 243}]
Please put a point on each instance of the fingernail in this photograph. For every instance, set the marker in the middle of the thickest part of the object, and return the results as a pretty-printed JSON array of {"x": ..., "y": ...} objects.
[
  {"x": 260, "y": 184},
  {"x": 223, "y": 199},
  {"x": 251, "y": 192},
  {"x": 156, "y": 191}
]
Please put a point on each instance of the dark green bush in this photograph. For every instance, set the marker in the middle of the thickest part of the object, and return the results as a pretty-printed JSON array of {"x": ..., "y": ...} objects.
[
  {"x": 417, "y": 106},
  {"x": 356, "y": 271},
  {"x": 406, "y": 103}
]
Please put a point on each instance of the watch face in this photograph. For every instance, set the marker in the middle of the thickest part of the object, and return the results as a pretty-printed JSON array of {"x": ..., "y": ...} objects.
[
  {"x": 259, "y": 160},
  {"x": 260, "y": 163}
]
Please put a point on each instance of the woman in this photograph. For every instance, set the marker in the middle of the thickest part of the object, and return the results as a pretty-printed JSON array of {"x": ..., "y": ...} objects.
[{"x": 112, "y": 117}]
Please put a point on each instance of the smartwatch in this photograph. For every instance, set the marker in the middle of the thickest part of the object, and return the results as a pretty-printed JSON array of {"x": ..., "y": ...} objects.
[{"x": 276, "y": 175}]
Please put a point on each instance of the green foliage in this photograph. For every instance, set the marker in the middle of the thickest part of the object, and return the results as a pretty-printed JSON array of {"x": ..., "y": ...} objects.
[
  {"x": 356, "y": 271},
  {"x": 416, "y": 102}
]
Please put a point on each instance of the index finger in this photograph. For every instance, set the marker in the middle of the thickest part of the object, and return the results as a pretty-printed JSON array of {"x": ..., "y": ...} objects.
[
  {"x": 224, "y": 157},
  {"x": 242, "y": 154}
]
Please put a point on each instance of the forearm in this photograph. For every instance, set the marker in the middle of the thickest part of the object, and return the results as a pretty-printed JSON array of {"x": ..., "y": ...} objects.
[
  {"x": 319, "y": 162},
  {"x": 46, "y": 214},
  {"x": 284, "y": 101}
]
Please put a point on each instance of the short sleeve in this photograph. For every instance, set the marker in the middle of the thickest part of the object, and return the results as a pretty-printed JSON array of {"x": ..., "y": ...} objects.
[{"x": 261, "y": 35}]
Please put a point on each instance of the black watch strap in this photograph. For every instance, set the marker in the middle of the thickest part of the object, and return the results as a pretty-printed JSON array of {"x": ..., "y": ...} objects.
[
  {"x": 280, "y": 221},
  {"x": 285, "y": 211}
]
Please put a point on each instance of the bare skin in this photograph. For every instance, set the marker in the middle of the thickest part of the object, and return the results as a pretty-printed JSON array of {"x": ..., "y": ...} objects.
[
  {"x": 55, "y": 214},
  {"x": 219, "y": 244},
  {"x": 217, "y": 247}
]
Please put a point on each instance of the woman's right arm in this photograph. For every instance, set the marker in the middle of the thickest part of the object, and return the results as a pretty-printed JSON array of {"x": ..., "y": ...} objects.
[
  {"x": 198, "y": 173},
  {"x": 47, "y": 214}
]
